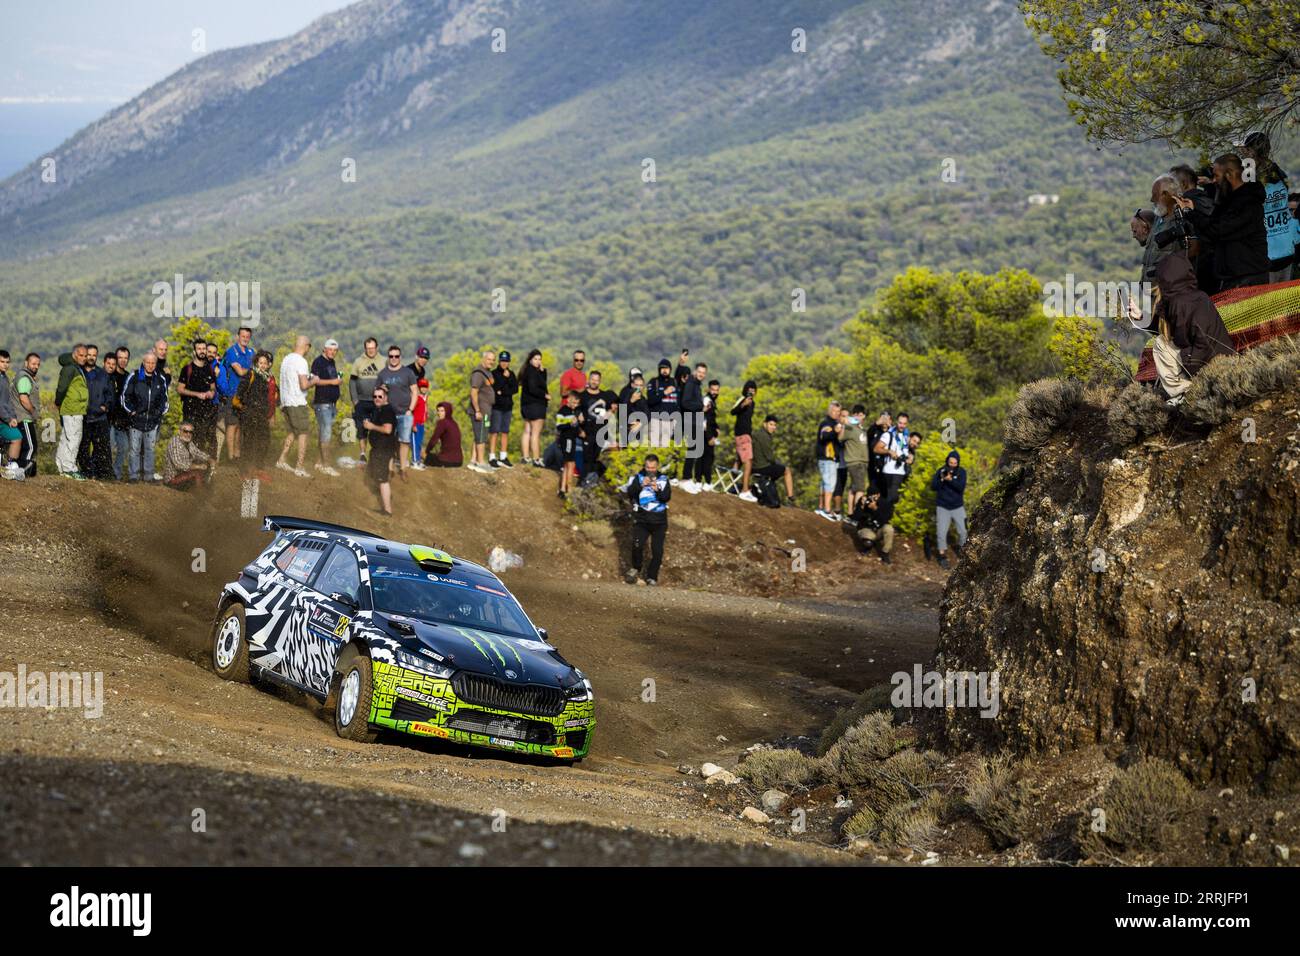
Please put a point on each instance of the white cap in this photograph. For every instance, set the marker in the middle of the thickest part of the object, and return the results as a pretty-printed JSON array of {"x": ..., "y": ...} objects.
[{"x": 331, "y": 344}]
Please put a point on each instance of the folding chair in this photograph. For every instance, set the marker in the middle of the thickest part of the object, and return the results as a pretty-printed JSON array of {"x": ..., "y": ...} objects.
[{"x": 726, "y": 480}]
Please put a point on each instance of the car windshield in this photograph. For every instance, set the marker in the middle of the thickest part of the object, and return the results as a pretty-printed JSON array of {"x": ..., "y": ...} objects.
[{"x": 449, "y": 600}]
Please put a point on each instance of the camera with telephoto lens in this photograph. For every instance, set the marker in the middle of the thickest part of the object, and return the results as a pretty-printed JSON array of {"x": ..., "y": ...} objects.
[{"x": 1180, "y": 232}]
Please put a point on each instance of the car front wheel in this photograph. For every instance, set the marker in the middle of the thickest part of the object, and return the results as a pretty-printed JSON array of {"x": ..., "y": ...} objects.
[
  {"x": 352, "y": 701},
  {"x": 230, "y": 645}
]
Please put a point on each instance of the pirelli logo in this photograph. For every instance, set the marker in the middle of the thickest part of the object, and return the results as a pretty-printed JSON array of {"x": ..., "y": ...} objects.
[
  {"x": 430, "y": 730},
  {"x": 563, "y": 751}
]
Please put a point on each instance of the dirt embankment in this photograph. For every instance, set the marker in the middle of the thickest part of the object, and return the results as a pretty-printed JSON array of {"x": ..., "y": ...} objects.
[
  {"x": 1144, "y": 599},
  {"x": 740, "y": 648}
]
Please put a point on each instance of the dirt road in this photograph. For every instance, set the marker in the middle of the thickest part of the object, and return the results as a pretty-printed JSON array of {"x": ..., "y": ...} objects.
[{"x": 123, "y": 581}]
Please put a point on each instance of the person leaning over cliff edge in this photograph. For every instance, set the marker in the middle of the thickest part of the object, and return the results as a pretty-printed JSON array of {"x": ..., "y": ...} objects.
[{"x": 1188, "y": 329}]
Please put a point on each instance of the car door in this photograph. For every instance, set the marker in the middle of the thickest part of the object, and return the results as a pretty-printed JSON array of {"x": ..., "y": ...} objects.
[
  {"x": 277, "y": 626},
  {"x": 330, "y": 607}
]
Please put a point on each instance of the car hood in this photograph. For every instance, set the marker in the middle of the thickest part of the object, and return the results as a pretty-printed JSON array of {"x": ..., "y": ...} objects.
[{"x": 509, "y": 658}]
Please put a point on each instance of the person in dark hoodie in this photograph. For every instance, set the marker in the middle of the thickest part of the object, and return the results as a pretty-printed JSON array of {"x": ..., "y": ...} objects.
[
  {"x": 949, "y": 485},
  {"x": 1235, "y": 226},
  {"x": 443, "y": 449},
  {"x": 1189, "y": 331},
  {"x": 145, "y": 399},
  {"x": 119, "y": 420},
  {"x": 662, "y": 398},
  {"x": 95, "y": 457},
  {"x": 649, "y": 491}
]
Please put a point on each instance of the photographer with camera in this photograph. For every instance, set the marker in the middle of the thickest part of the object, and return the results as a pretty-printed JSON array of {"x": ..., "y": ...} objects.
[
  {"x": 873, "y": 516},
  {"x": 949, "y": 485},
  {"x": 649, "y": 491},
  {"x": 1169, "y": 230}
]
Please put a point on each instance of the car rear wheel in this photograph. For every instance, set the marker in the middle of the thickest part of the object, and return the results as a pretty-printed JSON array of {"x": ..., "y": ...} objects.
[
  {"x": 230, "y": 645},
  {"x": 352, "y": 700}
]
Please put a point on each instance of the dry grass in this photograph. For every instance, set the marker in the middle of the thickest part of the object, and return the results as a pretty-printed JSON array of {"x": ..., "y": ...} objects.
[
  {"x": 994, "y": 794},
  {"x": 786, "y": 770},
  {"x": 1141, "y": 805},
  {"x": 871, "y": 700},
  {"x": 1041, "y": 408},
  {"x": 1231, "y": 382},
  {"x": 1135, "y": 413}
]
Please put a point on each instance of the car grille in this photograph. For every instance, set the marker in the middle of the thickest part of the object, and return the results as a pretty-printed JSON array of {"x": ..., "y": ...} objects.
[
  {"x": 508, "y": 728},
  {"x": 520, "y": 698},
  {"x": 404, "y": 709}
]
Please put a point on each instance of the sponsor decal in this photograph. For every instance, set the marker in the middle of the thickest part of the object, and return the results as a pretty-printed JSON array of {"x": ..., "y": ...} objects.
[
  {"x": 437, "y": 703},
  {"x": 511, "y": 675},
  {"x": 532, "y": 645},
  {"x": 501, "y": 742},
  {"x": 434, "y": 654},
  {"x": 563, "y": 751},
  {"x": 491, "y": 590},
  {"x": 430, "y": 730},
  {"x": 582, "y": 722}
]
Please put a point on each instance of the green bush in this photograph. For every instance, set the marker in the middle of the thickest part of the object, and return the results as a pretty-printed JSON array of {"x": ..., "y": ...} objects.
[
  {"x": 851, "y": 761},
  {"x": 872, "y": 699},
  {"x": 784, "y": 769},
  {"x": 994, "y": 794}
]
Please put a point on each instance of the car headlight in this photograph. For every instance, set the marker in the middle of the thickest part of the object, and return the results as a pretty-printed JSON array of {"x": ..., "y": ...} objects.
[
  {"x": 423, "y": 665},
  {"x": 579, "y": 691}
]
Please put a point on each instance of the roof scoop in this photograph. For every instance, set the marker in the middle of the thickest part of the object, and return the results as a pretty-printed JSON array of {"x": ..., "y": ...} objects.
[{"x": 431, "y": 559}]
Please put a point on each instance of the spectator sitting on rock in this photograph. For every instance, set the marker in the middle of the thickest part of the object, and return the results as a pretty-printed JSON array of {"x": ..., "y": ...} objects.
[
  {"x": 185, "y": 464},
  {"x": 765, "y": 460},
  {"x": 443, "y": 449}
]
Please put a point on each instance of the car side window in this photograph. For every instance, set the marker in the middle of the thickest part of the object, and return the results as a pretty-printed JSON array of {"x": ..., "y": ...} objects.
[
  {"x": 341, "y": 574},
  {"x": 298, "y": 561}
]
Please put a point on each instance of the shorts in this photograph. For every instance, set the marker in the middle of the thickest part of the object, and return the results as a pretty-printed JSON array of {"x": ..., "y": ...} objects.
[
  {"x": 774, "y": 471},
  {"x": 298, "y": 418},
  {"x": 480, "y": 432},
  {"x": 499, "y": 422},
  {"x": 10, "y": 434},
  {"x": 569, "y": 449},
  {"x": 745, "y": 448},
  {"x": 404, "y": 425},
  {"x": 828, "y": 470},
  {"x": 857, "y": 477},
  {"x": 532, "y": 412},
  {"x": 325, "y": 415},
  {"x": 378, "y": 466},
  {"x": 226, "y": 412}
]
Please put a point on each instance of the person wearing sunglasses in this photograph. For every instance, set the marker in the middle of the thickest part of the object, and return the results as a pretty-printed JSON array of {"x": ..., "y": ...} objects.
[
  {"x": 186, "y": 465},
  {"x": 402, "y": 389},
  {"x": 381, "y": 426}
]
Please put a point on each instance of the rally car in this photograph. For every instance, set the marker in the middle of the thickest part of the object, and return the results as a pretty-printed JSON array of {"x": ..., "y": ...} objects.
[{"x": 400, "y": 637}]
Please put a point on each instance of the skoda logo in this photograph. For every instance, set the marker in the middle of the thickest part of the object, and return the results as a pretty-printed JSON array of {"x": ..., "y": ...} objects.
[{"x": 511, "y": 674}]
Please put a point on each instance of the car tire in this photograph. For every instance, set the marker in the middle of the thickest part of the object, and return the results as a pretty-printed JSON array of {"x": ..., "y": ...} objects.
[
  {"x": 230, "y": 645},
  {"x": 352, "y": 698}
]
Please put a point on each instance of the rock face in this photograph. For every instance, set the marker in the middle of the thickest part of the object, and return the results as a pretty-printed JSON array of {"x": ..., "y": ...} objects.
[{"x": 1146, "y": 599}]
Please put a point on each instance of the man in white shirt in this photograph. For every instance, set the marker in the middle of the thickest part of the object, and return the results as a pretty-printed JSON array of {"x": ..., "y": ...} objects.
[
  {"x": 295, "y": 379},
  {"x": 894, "y": 444}
]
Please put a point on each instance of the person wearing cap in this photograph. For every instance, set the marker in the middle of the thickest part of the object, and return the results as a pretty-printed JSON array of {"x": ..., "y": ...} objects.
[
  {"x": 662, "y": 398},
  {"x": 324, "y": 402},
  {"x": 420, "y": 367},
  {"x": 419, "y": 415},
  {"x": 504, "y": 384}
]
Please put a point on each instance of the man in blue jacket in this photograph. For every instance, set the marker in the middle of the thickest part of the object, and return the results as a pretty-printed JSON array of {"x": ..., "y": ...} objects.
[
  {"x": 949, "y": 484},
  {"x": 95, "y": 456},
  {"x": 144, "y": 399}
]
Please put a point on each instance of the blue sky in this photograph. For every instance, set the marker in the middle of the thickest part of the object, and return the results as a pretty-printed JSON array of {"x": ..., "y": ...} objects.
[
  {"x": 64, "y": 63},
  {"x": 107, "y": 51}
]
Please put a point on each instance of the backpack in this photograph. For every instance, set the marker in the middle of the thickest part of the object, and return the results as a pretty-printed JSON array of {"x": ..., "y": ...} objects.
[{"x": 764, "y": 489}]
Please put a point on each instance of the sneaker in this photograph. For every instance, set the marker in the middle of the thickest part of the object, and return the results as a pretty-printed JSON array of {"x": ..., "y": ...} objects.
[
  {"x": 493, "y": 463},
  {"x": 747, "y": 496},
  {"x": 418, "y": 465},
  {"x": 480, "y": 468},
  {"x": 943, "y": 562},
  {"x": 74, "y": 475},
  {"x": 505, "y": 462},
  {"x": 631, "y": 576},
  {"x": 704, "y": 487},
  {"x": 301, "y": 472},
  {"x": 284, "y": 466},
  {"x": 651, "y": 582},
  {"x": 362, "y": 459},
  {"x": 560, "y": 494},
  {"x": 12, "y": 472},
  {"x": 327, "y": 470},
  {"x": 886, "y": 559},
  {"x": 157, "y": 477}
]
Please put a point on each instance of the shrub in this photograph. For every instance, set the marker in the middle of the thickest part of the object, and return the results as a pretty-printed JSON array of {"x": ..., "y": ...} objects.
[
  {"x": 1231, "y": 382},
  {"x": 909, "y": 823},
  {"x": 871, "y": 699},
  {"x": 1040, "y": 409},
  {"x": 1135, "y": 413},
  {"x": 785, "y": 769},
  {"x": 994, "y": 794},
  {"x": 1141, "y": 805},
  {"x": 851, "y": 761}
]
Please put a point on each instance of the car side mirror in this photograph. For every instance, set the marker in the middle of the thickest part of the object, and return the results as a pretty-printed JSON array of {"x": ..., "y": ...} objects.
[
  {"x": 345, "y": 600},
  {"x": 542, "y": 632}
]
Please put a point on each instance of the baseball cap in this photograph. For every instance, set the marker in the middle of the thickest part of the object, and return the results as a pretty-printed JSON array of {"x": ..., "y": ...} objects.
[
  {"x": 423, "y": 383},
  {"x": 503, "y": 356},
  {"x": 634, "y": 373},
  {"x": 664, "y": 363},
  {"x": 331, "y": 344},
  {"x": 771, "y": 418},
  {"x": 422, "y": 352}
]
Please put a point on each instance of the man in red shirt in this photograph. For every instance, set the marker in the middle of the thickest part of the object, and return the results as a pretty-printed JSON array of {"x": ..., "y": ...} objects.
[{"x": 575, "y": 379}]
